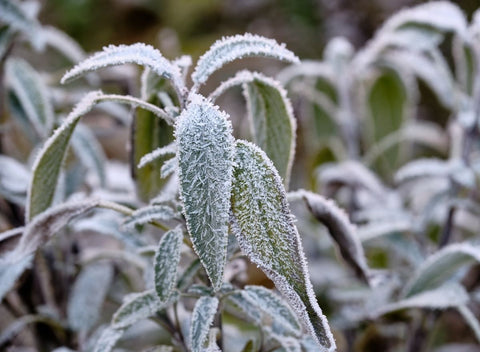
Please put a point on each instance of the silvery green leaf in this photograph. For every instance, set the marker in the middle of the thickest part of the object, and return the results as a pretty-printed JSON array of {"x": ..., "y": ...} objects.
[
  {"x": 284, "y": 320},
  {"x": 137, "y": 53},
  {"x": 266, "y": 233},
  {"x": 383, "y": 227},
  {"x": 307, "y": 68},
  {"x": 272, "y": 121},
  {"x": 6, "y": 38},
  {"x": 287, "y": 343},
  {"x": 5, "y": 235},
  {"x": 202, "y": 318},
  {"x": 87, "y": 296},
  {"x": 187, "y": 276},
  {"x": 470, "y": 319},
  {"x": 440, "y": 267},
  {"x": 232, "y": 48},
  {"x": 445, "y": 296},
  {"x": 200, "y": 290},
  {"x": 157, "y": 153},
  {"x": 108, "y": 339},
  {"x": 205, "y": 159},
  {"x": 169, "y": 167},
  {"x": 63, "y": 43},
  {"x": 212, "y": 341},
  {"x": 32, "y": 93},
  {"x": 89, "y": 151},
  {"x": 136, "y": 307},
  {"x": 167, "y": 258},
  {"x": 239, "y": 304},
  {"x": 14, "y": 178},
  {"x": 11, "y": 267},
  {"x": 14, "y": 15},
  {"x": 427, "y": 167},
  {"x": 148, "y": 214}
]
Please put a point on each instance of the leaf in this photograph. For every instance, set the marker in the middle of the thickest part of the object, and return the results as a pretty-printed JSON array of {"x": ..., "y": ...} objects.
[
  {"x": 202, "y": 318},
  {"x": 14, "y": 178},
  {"x": 108, "y": 339},
  {"x": 87, "y": 296},
  {"x": 431, "y": 167},
  {"x": 272, "y": 121},
  {"x": 205, "y": 158},
  {"x": 470, "y": 319},
  {"x": 236, "y": 47},
  {"x": 11, "y": 268},
  {"x": 169, "y": 167},
  {"x": 63, "y": 43},
  {"x": 157, "y": 153},
  {"x": 440, "y": 267},
  {"x": 137, "y": 53},
  {"x": 343, "y": 232},
  {"x": 266, "y": 233},
  {"x": 148, "y": 214},
  {"x": 15, "y": 16},
  {"x": 445, "y": 296},
  {"x": 167, "y": 258},
  {"x": 32, "y": 93}
]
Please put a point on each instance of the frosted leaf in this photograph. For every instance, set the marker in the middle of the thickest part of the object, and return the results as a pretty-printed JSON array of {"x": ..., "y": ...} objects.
[
  {"x": 45, "y": 225},
  {"x": 137, "y": 307},
  {"x": 423, "y": 168},
  {"x": 343, "y": 232},
  {"x": 202, "y": 318},
  {"x": 236, "y": 47},
  {"x": 87, "y": 296},
  {"x": 137, "y": 53},
  {"x": 266, "y": 233},
  {"x": 32, "y": 93},
  {"x": 470, "y": 319},
  {"x": 284, "y": 320},
  {"x": 445, "y": 296},
  {"x": 63, "y": 43},
  {"x": 314, "y": 69},
  {"x": 108, "y": 339},
  {"x": 239, "y": 304},
  {"x": 17, "y": 17},
  {"x": 188, "y": 274},
  {"x": 287, "y": 343},
  {"x": 384, "y": 227},
  {"x": 205, "y": 159},
  {"x": 167, "y": 258},
  {"x": 148, "y": 214},
  {"x": 272, "y": 122},
  {"x": 12, "y": 267},
  {"x": 212, "y": 341},
  {"x": 241, "y": 77},
  {"x": 169, "y": 167},
  {"x": 441, "y": 267},
  {"x": 5, "y": 235},
  {"x": 14, "y": 178},
  {"x": 89, "y": 151},
  {"x": 157, "y": 153}
]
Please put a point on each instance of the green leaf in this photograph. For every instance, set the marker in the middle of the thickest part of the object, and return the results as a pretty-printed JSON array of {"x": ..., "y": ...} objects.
[
  {"x": 32, "y": 93},
  {"x": 266, "y": 233},
  {"x": 87, "y": 296},
  {"x": 237, "y": 47},
  {"x": 148, "y": 214},
  {"x": 202, "y": 318},
  {"x": 205, "y": 157},
  {"x": 441, "y": 267},
  {"x": 108, "y": 339},
  {"x": 166, "y": 263},
  {"x": 272, "y": 121}
]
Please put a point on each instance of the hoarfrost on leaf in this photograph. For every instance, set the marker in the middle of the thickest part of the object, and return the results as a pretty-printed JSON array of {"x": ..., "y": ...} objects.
[
  {"x": 148, "y": 214},
  {"x": 202, "y": 318}
]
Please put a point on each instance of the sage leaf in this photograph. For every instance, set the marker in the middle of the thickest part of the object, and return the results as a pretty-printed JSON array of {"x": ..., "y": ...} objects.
[
  {"x": 470, "y": 319},
  {"x": 108, "y": 339},
  {"x": 11, "y": 268},
  {"x": 232, "y": 48},
  {"x": 148, "y": 214},
  {"x": 205, "y": 158},
  {"x": 167, "y": 258},
  {"x": 202, "y": 318},
  {"x": 157, "y": 153},
  {"x": 87, "y": 296},
  {"x": 266, "y": 233},
  {"x": 14, "y": 178}
]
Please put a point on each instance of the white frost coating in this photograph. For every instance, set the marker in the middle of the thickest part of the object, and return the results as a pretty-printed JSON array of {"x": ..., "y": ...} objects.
[
  {"x": 446, "y": 296},
  {"x": 157, "y": 153},
  {"x": 264, "y": 228},
  {"x": 169, "y": 167},
  {"x": 138, "y": 53},
  {"x": 470, "y": 319},
  {"x": 202, "y": 319},
  {"x": 14, "y": 178},
  {"x": 205, "y": 160},
  {"x": 108, "y": 339},
  {"x": 63, "y": 43},
  {"x": 5, "y": 235},
  {"x": 241, "y": 77},
  {"x": 148, "y": 214},
  {"x": 32, "y": 93},
  {"x": 423, "y": 167},
  {"x": 384, "y": 227},
  {"x": 12, "y": 266},
  {"x": 309, "y": 69},
  {"x": 236, "y": 47},
  {"x": 441, "y": 266}
]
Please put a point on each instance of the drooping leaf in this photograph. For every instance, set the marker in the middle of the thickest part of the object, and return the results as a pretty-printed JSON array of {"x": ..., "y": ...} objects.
[
  {"x": 63, "y": 43},
  {"x": 440, "y": 267},
  {"x": 272, "y": 121},
  {"x": 205, "y": 158},
  {"x": 148, "y": 214},
  {"x": 32, "y": 93},
  {"x": 167, "y": 258},
  {"x": 237, "y": 47},
  {"x": 10, "y": 270},
  {"x": 138, "y": 53},
  {"x": 14, "y": 179},
  {"x": 108, "y": 339},
  {"x": 202, "y": 318},
  {"x": 343, "y": 232},
  {"x": 266, "y": 233},
  {"x": 87, "y": 296}
]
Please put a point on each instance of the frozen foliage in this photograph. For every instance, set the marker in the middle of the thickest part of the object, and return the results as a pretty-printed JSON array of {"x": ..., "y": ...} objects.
[
  {"x": 149, "y": 214},
  {"x": 138, "y": 53},
  {"x": 340, "y": 228},
  {"x": 157, "y": 153},
  {"x": 10, "y": 270},
  {"x": 266, "y": 233},
  {"x": 87, "y": 296},
  {"x": 237, "y": 47},
  {"x": 32, "y": 94},
  {"x": 425, "y": 168},
  {"x": 166, "y": 262},
  {"x": 169, "y": 167},
  {"x": 14, "y": 179},
  {"x": 63, "y": 43},
  {"x": 205, "y": 159},
  {"x": 202, "y": 317},
  {"x": 107, "y": 339}
]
